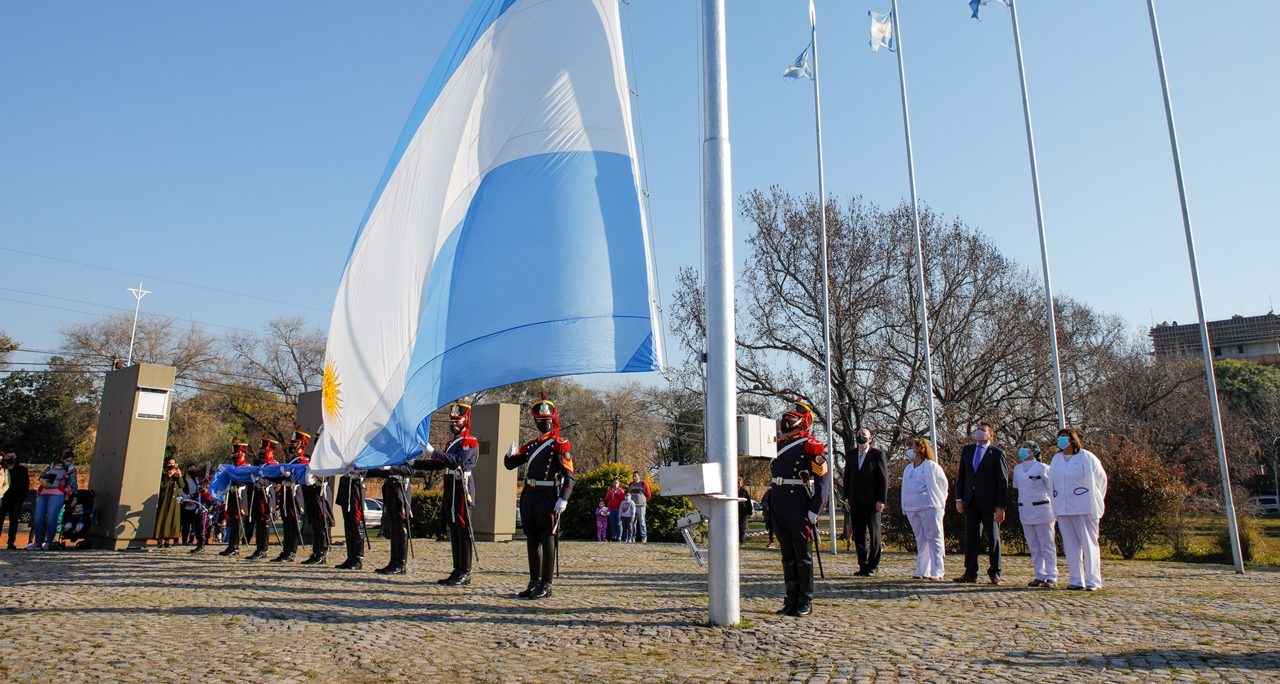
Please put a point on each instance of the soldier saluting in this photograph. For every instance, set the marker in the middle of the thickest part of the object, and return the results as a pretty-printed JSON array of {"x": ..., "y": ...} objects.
[
  {"x": 547, "y": 486},
  {"x": 457, "y": 459},
  {"x": 797, "y": 494}
]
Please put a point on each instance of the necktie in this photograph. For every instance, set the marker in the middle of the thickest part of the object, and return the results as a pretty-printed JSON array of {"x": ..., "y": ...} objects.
[{"x": 977, "y": 456}]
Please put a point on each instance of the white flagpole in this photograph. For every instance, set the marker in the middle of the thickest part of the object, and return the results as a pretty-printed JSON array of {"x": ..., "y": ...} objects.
[
  {"x": 1044, "y": 246},
  {"x": 826, "y": 297},
  {"x": 1228, "y": 503},
  {"x": 721, "y": 419},
  {"x": 915, "y": 219}
]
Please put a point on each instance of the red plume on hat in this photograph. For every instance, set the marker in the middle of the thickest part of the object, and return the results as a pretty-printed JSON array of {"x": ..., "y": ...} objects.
[
  {"x": 801, "y": 413},
  {"x": 268, "y": 449},
  {"x": 239, "y": 450},
  {"x": 545, "y": 409}
]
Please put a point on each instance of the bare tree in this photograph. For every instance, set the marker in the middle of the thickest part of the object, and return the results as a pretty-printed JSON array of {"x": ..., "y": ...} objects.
[{"x": 159, "y": 339}]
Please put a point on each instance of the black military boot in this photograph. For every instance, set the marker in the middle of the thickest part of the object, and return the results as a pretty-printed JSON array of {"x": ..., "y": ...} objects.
[
  {"x": 284, "y": 557},
  {"x": 198, "y": 549},
  {"x": 230, "y": 551},
  {"x": 392, "y": 569},
  {"x": 315, "y": 559},
  {"x": 346, "y": 564},
  {"x": 461, "y": 580},
  {"x": 528, "y": 591},
  {"x": 257, "y": 555},
  {"x": 789, "y": 604},
  {"x": 804, "y": 599},
  {"x": 543, "y": 591},
  {"x": 449, "y": 580}
]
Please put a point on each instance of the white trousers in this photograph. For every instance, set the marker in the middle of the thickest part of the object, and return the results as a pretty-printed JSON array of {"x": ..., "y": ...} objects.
[
  {"x": 1044, "y": 550},
  {"x": 927, "y": 527},
  {"x": 1080, "y": 544}
]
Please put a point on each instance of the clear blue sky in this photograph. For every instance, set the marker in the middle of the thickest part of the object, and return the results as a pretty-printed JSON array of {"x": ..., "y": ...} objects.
[{"x": 235, "y": 145}]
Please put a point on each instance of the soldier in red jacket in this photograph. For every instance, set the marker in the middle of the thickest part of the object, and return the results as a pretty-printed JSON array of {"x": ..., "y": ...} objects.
[
  {"x": 547, "y": 486},
  {"x": 797, "y": 494}
]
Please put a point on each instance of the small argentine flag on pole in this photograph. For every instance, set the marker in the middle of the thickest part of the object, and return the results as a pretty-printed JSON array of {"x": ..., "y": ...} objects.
[
  {"x": 882, "y": 31},
  {"x": 976, "y": 4},
  {"x": 800, "y": 67}
]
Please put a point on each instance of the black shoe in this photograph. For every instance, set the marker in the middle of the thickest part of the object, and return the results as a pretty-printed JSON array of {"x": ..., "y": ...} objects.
[
  {"x": 543, "y": 591},
  {"x": 448, "y": 580},
  {"x": 965, "y": 579},
  {"x": 395, "y": 569},
  {"x": 316, "y": 560},
  {"x": 257, "y": 555},
  {"x": 198, "y": 549},
  {"x": 802, "y": 609},
  {"x": 346, "y": 564},
  {"x": 13, "y": 547},
  {"x": 528, "y": 591},
  {"x": 788, "y": 606},
  {"x": 862, "y": 572},
  {"x": 230, "y": 551},
  {"x": 357, "y": 565},
  {"x": 460, "y": 580},
  {"x": 284, "y": 558},
  {"x": 871, "y": 572}
]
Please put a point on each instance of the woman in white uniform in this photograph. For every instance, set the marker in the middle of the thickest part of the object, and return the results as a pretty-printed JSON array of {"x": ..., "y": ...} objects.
[
  {"x": 924, "y": 495},
  {"x": 1079, "y": 490},
  {"x": 1035, "y": 511}
]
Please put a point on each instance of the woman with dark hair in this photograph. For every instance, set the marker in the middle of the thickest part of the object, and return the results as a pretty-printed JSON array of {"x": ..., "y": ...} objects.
[
  {"x": 57, "y": 482},
  {"x": 924, "y": 497},
  {"x": 1035, "y": 511},
  {"x": 1079, "y": 490},
  {"x": 168, "y": 509}
]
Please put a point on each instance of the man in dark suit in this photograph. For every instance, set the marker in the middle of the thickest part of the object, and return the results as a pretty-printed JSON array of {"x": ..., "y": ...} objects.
[
  {"x": 981, "y": 488},
  {"x": 866, "y": 487}
]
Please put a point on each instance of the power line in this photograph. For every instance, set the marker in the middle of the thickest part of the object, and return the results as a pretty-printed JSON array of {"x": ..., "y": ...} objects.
[
  {"x": 165, "y": 280},
  {"x": 257, "y": 333}
]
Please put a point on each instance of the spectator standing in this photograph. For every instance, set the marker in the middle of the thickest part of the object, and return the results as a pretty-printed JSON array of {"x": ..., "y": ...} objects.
[
  {"x": 640, "y": 494},
  {"x": 602, "y": 521},
  {"x": 56, "y": 482},
  {"x": 744, "y": 511},
  {"x": 866, "y": 488},
  {"x": 168, "y": 510},
  {"x": 15, "y": 496},
  {"x": 190, "y": 494},
  {"x": 981, "y": 489},
  {"x": 613, "y": 499},
  {"x": 924, "y": 499},
  {"x": 1079, "y": 493},
  {"x": 1035, "y": 512},
  {"x": 627, "y": 517}
]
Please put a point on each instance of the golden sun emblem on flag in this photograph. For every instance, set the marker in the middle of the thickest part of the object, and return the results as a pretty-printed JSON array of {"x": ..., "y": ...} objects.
[{"x": 331, "y": 391}]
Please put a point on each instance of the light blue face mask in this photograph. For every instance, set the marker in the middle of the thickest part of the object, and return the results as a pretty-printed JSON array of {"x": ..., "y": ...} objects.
[
  {"x": 1063, "y": 441},
  {"x": 1024, "y": 453}
]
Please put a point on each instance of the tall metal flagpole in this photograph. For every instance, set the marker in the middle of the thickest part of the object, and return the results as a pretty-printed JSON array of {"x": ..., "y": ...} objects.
[
  {"x": 138, "y": 294},
  {"x": 1044, "y": 246},
  {"x": 1228, "y": 503},
  {"x": 826, "y": 296},
  {"x": 915, "y": 219},
  {"x": 717, "y": 225}
]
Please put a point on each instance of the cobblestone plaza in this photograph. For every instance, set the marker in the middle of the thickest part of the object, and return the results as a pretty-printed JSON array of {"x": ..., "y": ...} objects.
[{"x": 619, "y": 613}]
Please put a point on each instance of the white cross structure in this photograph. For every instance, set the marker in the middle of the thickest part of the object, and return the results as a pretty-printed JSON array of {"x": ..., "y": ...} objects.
[{"x": 138, "y": 294}]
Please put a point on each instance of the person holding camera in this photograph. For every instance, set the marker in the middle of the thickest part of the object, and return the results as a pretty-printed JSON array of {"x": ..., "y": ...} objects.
[
  {"x": 169, "y": 508},
  {"x": 56, "y": 482},
  {"x": 15, "y": 495}
]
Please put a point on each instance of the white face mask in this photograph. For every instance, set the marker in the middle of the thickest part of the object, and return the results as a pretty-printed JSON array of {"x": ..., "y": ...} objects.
[
  {"x": 979, "y": 436},
  {"x": 911, "y": 454}
]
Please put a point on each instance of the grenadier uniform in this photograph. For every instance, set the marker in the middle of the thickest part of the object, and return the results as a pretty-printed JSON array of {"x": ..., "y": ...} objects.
[
  {"x": 351, "y": 501},
  {"x": 260, "y": 497},
  {"x": 796, "y": 496},
  {"x": 316, "y": 501},
  {"x": 396, "y": 515},
  {"x": 457, "y": 460},
  {"x": 547, "y": 486},
  {"x": 234, "y": 506},
  {"x": 289, "y": 502}
]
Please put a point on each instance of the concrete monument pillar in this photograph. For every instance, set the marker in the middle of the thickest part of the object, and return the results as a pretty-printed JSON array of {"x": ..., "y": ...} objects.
[
  {"x": 495, "y": 426},
  {"x": 128, "y": 454},
  {"x": 311, "y": 416}
]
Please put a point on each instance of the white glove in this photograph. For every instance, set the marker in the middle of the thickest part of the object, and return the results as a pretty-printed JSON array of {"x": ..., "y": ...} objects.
[
  {"x": 561, "y": 504},
  {"x": 428, "y": 450},
  {"x": 813, "y": 518},
  {"x": 512, "y": 450}
]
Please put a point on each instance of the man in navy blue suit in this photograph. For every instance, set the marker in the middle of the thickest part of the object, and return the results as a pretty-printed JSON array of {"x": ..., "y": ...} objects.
[{"x": 981, "y": 489}]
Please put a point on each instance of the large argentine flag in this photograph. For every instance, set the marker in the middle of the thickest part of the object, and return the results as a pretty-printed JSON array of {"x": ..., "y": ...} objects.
[{"x": 505, "y": 241}]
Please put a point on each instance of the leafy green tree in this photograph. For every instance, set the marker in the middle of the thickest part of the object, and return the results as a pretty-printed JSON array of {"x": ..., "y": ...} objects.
[{"x": 43, "y": 413}]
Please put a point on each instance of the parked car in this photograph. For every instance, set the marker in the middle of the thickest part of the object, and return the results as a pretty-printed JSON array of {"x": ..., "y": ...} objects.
[
  {"x": 372, "y": 512},
  {"x": 1267, "y": 504}
]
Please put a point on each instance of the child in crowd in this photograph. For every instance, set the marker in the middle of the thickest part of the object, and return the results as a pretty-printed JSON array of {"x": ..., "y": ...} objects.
[{"x": 602, "y": 521}]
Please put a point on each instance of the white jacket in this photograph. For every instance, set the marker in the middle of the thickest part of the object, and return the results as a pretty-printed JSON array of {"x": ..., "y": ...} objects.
[
  {"x": 1035, "y": 494},
  {"x": 1079, "y": 484},
  {"x": 923, "y": 486}
]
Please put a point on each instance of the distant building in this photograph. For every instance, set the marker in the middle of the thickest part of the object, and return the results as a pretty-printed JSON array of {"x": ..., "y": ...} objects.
[{"x": 1251, "y": 338}]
